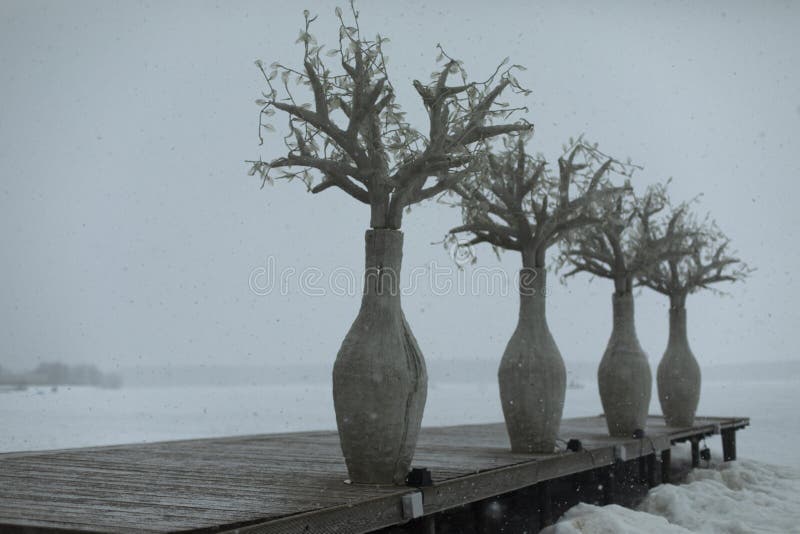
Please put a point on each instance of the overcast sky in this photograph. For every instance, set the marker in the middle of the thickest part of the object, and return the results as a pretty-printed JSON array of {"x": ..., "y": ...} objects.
[{"x": 129, "y": 227}]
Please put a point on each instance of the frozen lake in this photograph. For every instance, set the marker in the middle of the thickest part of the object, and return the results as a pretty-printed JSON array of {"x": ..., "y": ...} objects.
[{"x": 39, "y": 418}]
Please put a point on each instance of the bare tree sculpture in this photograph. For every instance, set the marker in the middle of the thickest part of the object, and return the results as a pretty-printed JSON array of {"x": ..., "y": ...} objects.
[
  {"x": 354, "y": 136},
  {"x": 702, "y": 259},
  {"x": 623, "y": 244},
  {"x": 619, "y": 248},
  {"x": 516, "y": 203}
]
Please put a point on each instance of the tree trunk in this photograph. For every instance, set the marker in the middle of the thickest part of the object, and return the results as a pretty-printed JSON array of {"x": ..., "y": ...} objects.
[
  {"x": 624, "y": 376},
  {"x": 678, "y": 374},
  {"x": 532, "y": 376},
  {"x": 379, "y": 378}
]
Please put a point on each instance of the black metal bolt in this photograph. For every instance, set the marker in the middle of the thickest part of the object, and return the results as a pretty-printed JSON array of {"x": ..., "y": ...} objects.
[
  {"x": 419, "y": 477},
  {"x": 574, "y": 445}
]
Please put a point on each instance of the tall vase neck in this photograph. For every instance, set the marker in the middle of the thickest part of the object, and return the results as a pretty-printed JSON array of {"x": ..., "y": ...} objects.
[
  {"x": 623, "y": 313},
  {"x": 532, "y": 293},
  {"x": 384, "y": 256},
  {"x": 677, "y": 300},
  {"x": 677, "y": 327}
]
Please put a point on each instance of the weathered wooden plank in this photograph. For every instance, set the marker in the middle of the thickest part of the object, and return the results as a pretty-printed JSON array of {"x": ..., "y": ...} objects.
[
  {"x": 61, "y": 526},
  {"x": 285, "y": 483}
]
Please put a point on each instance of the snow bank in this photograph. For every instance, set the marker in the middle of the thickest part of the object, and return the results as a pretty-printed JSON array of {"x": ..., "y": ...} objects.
[
  {"x": 611, "y": 519},
  {"x": 737, "y": 497},
  {"x": 733, "y": 498}
]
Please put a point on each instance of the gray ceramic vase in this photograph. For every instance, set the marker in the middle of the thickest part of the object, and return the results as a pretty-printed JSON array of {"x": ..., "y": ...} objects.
[
  {"x": 678, "y": 374},
  {"x": 624, "y": 376},
  {"x": 532, "y": 376},
  {"x": 379, "y": 378}
]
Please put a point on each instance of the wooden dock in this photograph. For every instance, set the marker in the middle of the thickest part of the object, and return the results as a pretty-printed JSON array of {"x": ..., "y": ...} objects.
[{"x": 294, "y": 483}]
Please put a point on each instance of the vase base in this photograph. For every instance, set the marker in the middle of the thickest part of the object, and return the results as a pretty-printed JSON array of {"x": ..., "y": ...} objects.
[
  {"x": 548, "y": 448},
  {"x": 619, "y": 434},
  {"x": 625, "y": 431},
  {"x": 372, "y": 484},
  {"x": 679, "y": 422}
]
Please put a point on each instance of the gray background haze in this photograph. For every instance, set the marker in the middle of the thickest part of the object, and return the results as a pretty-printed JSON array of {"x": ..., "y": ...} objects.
[{"x": 129, "y": 227}]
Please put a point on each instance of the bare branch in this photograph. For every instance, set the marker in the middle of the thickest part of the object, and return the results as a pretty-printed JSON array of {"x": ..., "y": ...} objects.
[
  {"x": 482, "y": 133},
  {"x": 336, "y": 173},
  {"x": 320, "y": 98}
]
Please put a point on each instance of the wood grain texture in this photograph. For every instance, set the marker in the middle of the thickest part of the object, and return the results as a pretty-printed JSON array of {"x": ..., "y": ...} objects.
[{"x": 285, "y": 483}]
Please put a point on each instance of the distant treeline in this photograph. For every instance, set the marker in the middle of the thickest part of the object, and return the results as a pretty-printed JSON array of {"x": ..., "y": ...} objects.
[{"x": 60, "y": 374}]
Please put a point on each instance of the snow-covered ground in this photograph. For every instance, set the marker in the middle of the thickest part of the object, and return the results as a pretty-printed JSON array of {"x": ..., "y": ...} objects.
[
  {"x": 737, "y": 497},
  {"x": 759, "y": 493}
]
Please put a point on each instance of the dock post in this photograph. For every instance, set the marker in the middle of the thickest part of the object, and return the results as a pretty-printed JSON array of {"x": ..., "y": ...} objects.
[
  {"x": 611, "y": 483},
  {"x": 728, "y": 444},
  {"x": 642, "y": 460},
  {"x": 654, "y": 473},
  {"x": 695, "y": 452},
  {"x": 545, "y": 504},
  {"x": 666, "y": 465},
  {"x": 429, "y": 524}
]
